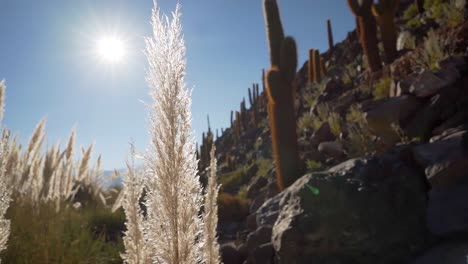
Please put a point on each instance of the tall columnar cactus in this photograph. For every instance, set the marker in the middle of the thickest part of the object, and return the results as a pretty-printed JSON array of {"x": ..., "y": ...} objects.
[
  {"x": 232, "y": 113},
  {"x": 280, "y": 87},
  {"x": 330, "y": 34},
  {"x": 367, "y": 31},
  {"x": 420, "y": 5},
  {"x": 315, "y": 70},
  {"x": 323, "y": 67},
  {"x": 384, "y": 12}
]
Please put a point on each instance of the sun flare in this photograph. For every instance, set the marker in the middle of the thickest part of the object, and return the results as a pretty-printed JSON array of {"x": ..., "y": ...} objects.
[{"x": 111, "y": 49}]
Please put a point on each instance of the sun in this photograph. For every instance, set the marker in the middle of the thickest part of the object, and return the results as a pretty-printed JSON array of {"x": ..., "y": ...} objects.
[{"x": 111, "y": 49}]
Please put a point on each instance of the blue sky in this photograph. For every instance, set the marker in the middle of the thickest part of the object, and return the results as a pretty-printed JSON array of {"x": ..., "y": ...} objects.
[{"x": 48, "y": 61}]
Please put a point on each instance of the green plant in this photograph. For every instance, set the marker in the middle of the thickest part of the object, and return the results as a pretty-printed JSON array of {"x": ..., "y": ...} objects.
[
  {"x": 367, "y": 31},
  {"x": 313, "y": 165},
  {"x": 232, "y": 208},
  {"x": 384, "y": 12},
  {"x": 382, "y": 88},
  {"x": 410, "y": 12},
  {"x": 360, "y": 140},
  {"x": 280, "y": 88},
  {"x": 432, "y": 52},
  {"x": 445, "y": 11}
]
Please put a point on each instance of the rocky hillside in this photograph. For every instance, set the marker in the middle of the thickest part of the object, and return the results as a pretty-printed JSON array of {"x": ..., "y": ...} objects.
[{"x": 383, "y": 152}]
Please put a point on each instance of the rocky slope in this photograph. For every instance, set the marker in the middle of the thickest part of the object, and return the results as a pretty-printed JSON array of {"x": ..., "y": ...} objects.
[{"x": 386, "y": 155}]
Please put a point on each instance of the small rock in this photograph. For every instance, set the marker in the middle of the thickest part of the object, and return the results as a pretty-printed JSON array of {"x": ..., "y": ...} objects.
[{"x": 332, "y": 149}]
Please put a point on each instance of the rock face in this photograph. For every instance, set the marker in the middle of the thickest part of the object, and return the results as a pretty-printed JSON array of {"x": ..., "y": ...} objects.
[
  {"x": 445, "y": 159},
  {"x": 369, "y": 210}
]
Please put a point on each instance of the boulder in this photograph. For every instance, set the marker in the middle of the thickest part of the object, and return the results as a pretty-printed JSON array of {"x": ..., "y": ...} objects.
[
  {"x": 230, "y": 255},
  {"x": 259, "y": 237},
  {"x": 255, "y": 186},
  {"x": 396, "y": 110},
  {"x": 428, "y": 83},
  {"x": 447, "y": 211},
  {"x": 369, "y": 210},
  {"x": 322, "y": 134},
  {"x": 447, "y": 253},
  {"x": 332, "y": 149},
  {"x": 444, "y": 159}
]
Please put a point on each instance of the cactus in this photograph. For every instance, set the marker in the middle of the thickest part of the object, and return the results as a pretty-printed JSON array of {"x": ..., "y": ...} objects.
[
  {"x": 367, "y": 31},
  {"x": 330, "y": 35},
  {"x": 237, "y": 125},
  {"x": 315, "y": 71},
  {"x": 323, "y": 68},
  {"x": 384, "y": 12},
  {"x": 232, "y": 113},
  {"x": 420, "y": 5},
  {"x": 280, "y": 88}
]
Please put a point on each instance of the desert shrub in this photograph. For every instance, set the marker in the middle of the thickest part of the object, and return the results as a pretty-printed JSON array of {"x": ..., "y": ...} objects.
[
  {"x": 382, "y": 88},
  {"x": 432, "y": 52},
  {"x": 306, "y": 122},
  {"x": 231, "y": 208},
  {"x": 232, "y": 181},
  {"x": 325, "y": 114},
  {"x": 40, "y": 234},
  {"x": 313, "y": 165},
  {"x": 410, "y": 12},
  {"x": 360, "y": 139},
  {"x": 448, "y": 12}
]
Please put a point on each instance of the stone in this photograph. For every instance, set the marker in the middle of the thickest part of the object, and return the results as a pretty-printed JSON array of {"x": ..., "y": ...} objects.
[
  {"x": 322, "y": 134},
  {"x": 428, "y": 84},
  {"x": 445, "y": 160},
  {"x": 257, "y": 184},
  {"x": 446, "y": 253},
  {"x": 332, "y": 149},
  {"x": 260, "y": 236},
  {"x": 251, "y": 221},
  {"x": 368, "y": 210},
  {"x": 396, "y": 110},
  {"x": 447, "y": 211},
  {"x": 264, "y": 254},
  {"x": 230, "y": 255}
]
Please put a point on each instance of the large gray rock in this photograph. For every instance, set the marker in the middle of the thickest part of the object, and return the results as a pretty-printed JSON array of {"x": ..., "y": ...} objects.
[
  {"x": 396, "y": 110},
  {"x": 447, "y": 253},
  {"x": 428, "y": 83},
  {"x": 447, "y": 211},
  {"x": 369, "y": 210},
  {"x": 445, "y": 159}
]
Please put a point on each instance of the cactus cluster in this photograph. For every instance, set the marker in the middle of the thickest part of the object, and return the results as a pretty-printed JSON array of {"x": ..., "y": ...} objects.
[
  {"x": 204, "y": 154},
  {"x": 362, "y": 9},
  {"x": 254, "y": 95},
  {"x": 316, "y": 66},
  {"x": 367, "y": 13},
  {"x": 280, "y": 88},
  {"x": 384, "y": 12}
]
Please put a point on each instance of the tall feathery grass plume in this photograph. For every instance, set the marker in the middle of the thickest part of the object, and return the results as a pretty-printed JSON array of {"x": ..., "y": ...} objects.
[
  {"x": 174, "y": 195},
  {"x": 135, "y": 245},
  {"x": 210, "y": 215},
  {"x": 5, "y": 192}
]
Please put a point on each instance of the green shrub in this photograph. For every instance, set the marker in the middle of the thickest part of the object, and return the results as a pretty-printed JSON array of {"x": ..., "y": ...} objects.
[
  {"x": 41, "y": 235},
  {"x": 313, "y": 165},
  {"x": 410, "y": 12},
  {"x": 231, "y": 208},
  {"x": 382, "y": 88}
]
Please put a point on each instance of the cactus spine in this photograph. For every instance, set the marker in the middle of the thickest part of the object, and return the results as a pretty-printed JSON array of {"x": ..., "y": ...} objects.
[
  {"x": 330, "y": 34},
  {"x": 280, "y": 81},
  {"x": 367, "y": 31},
  {"x": 384, "y": 12}
]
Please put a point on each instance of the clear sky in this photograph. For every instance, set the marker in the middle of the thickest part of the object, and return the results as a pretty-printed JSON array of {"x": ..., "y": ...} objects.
[{"x": 48, "y": 59}]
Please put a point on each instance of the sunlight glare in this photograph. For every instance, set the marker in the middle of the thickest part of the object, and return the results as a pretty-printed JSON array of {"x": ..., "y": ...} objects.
[{"x": 111, "y": 49}]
